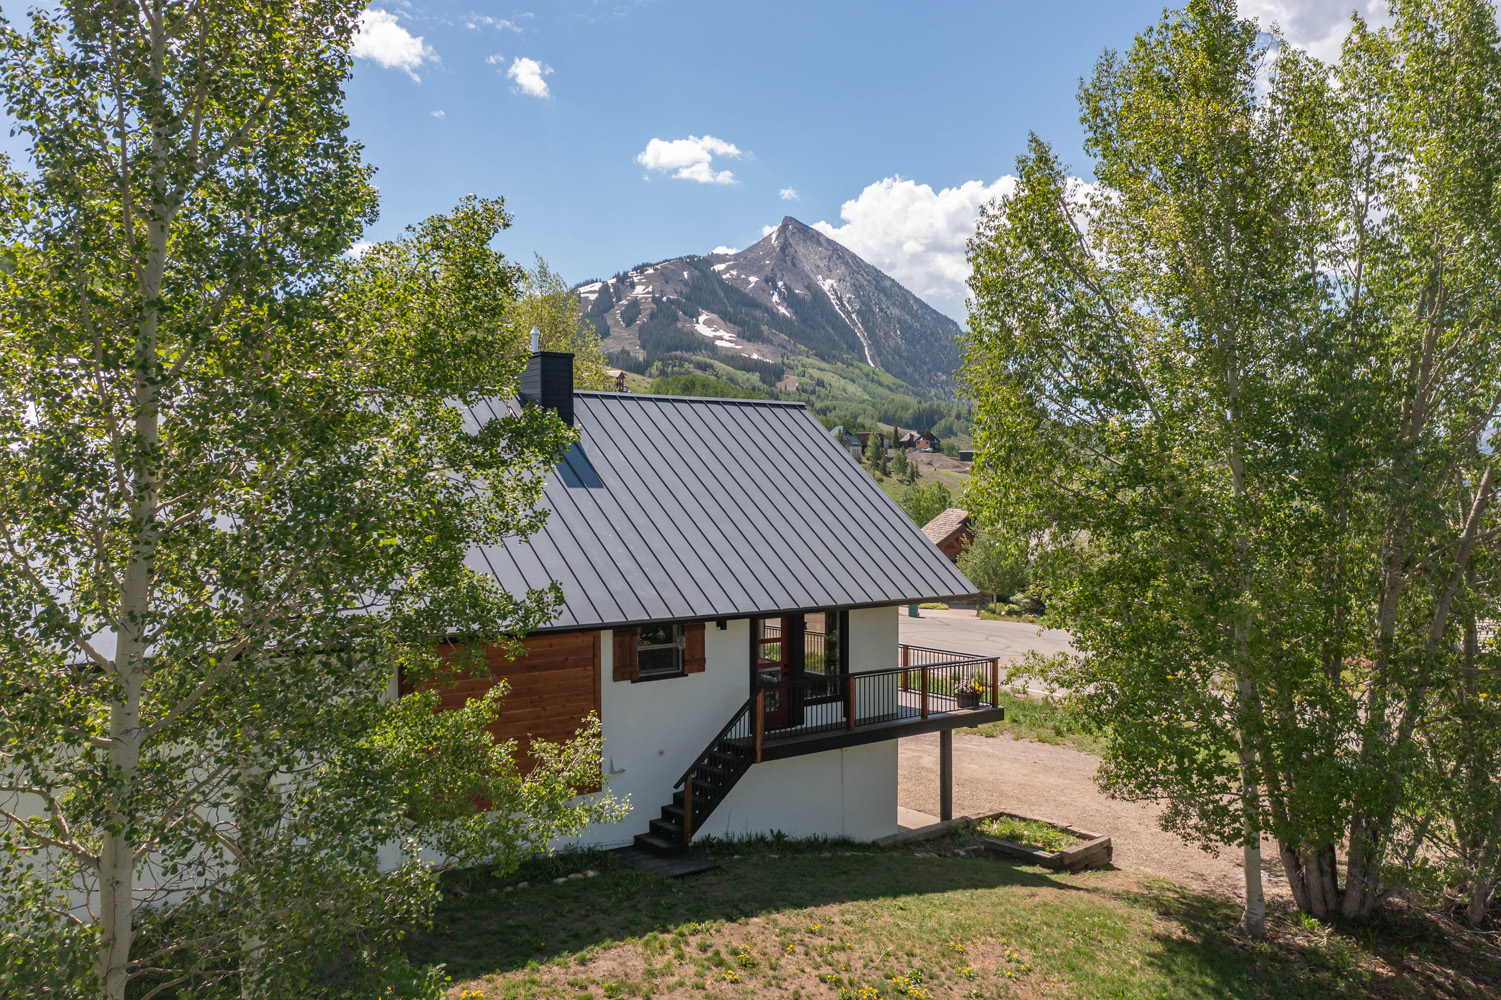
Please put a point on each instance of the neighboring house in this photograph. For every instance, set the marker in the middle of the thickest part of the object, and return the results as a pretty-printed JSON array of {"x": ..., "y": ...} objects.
[
  {"x": 966, "y": 454},
  {"x": 864, "y": 438},
  {"x": 850, "y": 442},
  {"x": 951, "y": 531},
  {"x": 731, "y": 585},
  {"x": 927, "y": 441}
]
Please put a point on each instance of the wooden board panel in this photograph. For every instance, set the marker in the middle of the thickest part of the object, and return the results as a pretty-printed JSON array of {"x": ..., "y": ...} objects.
[{"x": 554, "y": 686}]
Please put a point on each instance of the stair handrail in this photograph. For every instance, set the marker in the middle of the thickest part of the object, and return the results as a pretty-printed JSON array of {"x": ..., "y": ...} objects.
[{"x": 749, "y": 702}]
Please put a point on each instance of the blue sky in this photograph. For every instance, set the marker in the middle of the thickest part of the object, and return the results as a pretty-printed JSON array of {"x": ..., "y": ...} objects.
[
  {"x": 622, "y": 131},
  {"x": 631, "y": 153}
]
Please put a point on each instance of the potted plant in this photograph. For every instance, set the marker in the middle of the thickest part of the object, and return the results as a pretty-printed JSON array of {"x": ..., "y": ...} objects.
[{"x": 967, "y": 692}]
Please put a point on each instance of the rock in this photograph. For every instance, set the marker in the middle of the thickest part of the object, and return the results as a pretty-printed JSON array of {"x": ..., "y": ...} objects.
[
  {"x": 509, "y": 888},
  {"x": 492, "y": 892},
  {"x": 575, "y": 875},
  {"x": 559, "y": 881},
  {"x": 826, "y": 854},
  {"x": 591, "y": 873},
  {"x": 523, "y": 885}
]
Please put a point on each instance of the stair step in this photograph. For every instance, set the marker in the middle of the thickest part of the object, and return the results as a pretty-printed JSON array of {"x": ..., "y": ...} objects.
[
  {"x": 673, "y": 813},
  {"x": 717, "y": 775},
  {"x": 666, "y": 829},
  {"x": 659, "y": 845}
]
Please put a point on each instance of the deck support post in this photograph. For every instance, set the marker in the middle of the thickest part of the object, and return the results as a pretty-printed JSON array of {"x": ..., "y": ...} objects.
[
  {"x": 924, "y": 672},
  {"x": 946, "y": 774},
  {"x": 688, "y": 810},
  {"x": 906, "y": 662},
  {"x": 995, "y": 682},
  {"x": 760, "y": 721}
]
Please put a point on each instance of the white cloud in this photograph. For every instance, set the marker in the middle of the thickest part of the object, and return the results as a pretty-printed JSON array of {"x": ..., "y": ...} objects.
[
  {"x": 1317, "y": 26},
  {"x": 383, "y": 41},
  {"x": 724, "y": 249},
  {"x": 358, "y": 247},
  {"x": 916, "y": 234},
  {"x": 788, "y": 194},
  {"x": 768, "y": 230},
  {"x": 528, "y": 74},
  {"x": 690, "y": 159},
  {"x": 477, "y": 21},
  {"x": 439, "y": 114}
]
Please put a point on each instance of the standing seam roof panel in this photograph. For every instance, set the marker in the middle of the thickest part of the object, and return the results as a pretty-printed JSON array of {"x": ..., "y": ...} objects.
[
  {"x": 714, "y": 533},
  {"x": 677, "y": 588},
  {"x": 777, "y": 536},
  {"x": 712, "y": 508}
]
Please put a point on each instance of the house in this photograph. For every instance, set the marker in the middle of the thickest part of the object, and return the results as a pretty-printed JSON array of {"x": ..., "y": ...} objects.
[
  {"x": 864, "y": 438},
  {"x": 731, "y": 585},
  {"x": 927, "y": 441},
  {"x": 951, "y": 531},
  {"x": 850, "y": 442}
]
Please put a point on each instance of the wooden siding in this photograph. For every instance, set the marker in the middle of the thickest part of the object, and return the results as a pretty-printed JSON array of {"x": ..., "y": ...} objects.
[
  {"x": 955, "y": 544},
  {"x": 553, "y": 687}
]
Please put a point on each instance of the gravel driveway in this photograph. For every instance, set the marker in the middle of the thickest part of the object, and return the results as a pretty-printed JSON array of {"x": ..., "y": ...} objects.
[{"x": 1051, "y": 782}]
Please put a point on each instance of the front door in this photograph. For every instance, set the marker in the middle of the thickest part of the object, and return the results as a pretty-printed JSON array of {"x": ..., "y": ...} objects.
[{"x": 770, "y": 664}]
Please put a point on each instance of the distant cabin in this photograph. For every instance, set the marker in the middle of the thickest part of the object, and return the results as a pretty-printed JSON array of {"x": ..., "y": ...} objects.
[
  {"x": 852, "y": 443},
  {"x": 951, "y": 531}
]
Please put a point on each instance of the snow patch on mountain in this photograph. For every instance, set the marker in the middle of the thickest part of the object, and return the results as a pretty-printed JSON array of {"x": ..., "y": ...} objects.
[{"x": 832, "y": 291}]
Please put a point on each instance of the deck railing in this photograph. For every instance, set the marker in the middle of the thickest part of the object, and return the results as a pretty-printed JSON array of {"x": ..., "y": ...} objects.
[
  {"x": 929, "y": 682},
  {"x": 801, "y": 708}
]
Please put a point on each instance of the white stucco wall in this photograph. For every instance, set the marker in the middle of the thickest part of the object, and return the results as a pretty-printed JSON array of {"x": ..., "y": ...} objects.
[
  {"x": 654, "y": 729},
  {"x": 837, "y": 793}
]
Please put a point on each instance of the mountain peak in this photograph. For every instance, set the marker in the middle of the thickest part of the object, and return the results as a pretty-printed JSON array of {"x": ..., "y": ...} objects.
[{"x": 796, "y": 291}]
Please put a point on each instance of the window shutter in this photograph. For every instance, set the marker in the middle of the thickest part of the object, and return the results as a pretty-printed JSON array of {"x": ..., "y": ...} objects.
[
  {"x": 693, "y": 653},
  {"x": 625, "y": 653}
]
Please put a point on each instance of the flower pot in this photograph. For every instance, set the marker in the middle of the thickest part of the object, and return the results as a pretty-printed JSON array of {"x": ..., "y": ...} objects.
[{"x": 968, "y": 699}]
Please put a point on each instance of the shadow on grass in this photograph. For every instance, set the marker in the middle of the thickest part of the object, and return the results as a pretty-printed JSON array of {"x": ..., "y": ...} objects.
[
  {"x": 478, "y": 932},
  {"x": 1394, "y": 956},
  {"x": 1178, "y": 945}
]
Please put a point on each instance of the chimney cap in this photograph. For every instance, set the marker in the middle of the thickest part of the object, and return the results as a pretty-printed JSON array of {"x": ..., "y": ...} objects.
[{"x": 536, "y": 340}]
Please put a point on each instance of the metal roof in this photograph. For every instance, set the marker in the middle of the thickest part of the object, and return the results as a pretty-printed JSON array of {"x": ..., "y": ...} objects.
[{"x": 681, "y": 508}]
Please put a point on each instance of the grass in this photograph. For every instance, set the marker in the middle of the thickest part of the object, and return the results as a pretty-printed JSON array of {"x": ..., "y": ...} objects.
[
  {"x": 1032, "y": 833},
  {"x": 1043, "y": 721},
  {"x": 991, "y": 616},
  {"x": 829, "y": 921}
]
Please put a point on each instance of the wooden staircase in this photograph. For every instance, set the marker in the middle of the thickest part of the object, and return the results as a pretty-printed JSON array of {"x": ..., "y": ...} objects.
[{"x": 706, "y": 782}]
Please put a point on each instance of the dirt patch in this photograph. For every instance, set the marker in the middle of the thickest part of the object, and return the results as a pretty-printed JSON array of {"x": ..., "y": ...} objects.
[{"x": 1057, "y": 783}]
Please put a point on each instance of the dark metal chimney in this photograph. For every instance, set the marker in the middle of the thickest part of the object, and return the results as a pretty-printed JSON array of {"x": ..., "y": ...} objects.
[{"x": 548, "y": 380}]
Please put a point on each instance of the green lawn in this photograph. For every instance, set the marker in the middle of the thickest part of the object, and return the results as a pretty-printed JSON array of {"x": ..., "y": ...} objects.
[
  {"x": 839, "y": 921},
  {"x": 1027, "y": 719}
]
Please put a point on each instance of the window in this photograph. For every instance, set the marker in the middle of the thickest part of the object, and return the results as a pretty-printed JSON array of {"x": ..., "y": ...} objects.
[{"x": 659, "y": 651}]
